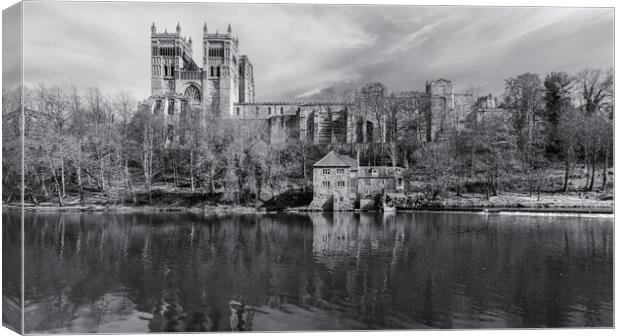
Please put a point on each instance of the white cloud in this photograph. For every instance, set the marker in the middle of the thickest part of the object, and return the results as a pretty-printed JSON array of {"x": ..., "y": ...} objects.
[{"x": 296, "y": 49}]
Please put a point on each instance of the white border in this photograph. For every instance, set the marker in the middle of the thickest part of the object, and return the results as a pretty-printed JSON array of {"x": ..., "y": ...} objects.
[{"x": 533, "y": 3}]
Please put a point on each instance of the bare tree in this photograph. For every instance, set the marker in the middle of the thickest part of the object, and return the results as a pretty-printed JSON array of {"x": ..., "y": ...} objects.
[
  {"x": 124, "y": 106},
  {"x": 595, "y": 88}
]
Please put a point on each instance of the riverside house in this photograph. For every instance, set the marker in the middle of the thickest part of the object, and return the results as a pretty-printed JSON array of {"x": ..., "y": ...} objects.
[{"x": 340, "y": 183}]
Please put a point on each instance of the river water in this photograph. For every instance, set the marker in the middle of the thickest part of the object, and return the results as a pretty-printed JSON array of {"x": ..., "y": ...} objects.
[{"x": 109, "y": 272}]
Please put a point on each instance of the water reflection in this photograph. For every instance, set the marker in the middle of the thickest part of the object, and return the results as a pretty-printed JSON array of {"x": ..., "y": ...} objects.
[
  {"x": 11, "y": 271},
  {"x": 181, "y": 272}
]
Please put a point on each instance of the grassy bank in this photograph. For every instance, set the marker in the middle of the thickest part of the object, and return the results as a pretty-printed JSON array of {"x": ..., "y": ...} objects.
[
  {"x": 166, "y": 199},
  {"x": 515, "y": 200}
]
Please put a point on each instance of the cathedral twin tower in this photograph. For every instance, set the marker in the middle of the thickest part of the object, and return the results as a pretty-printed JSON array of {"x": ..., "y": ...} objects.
[
  {"x": 226, "y": 78},
  {"x": 224, "y": 87}
]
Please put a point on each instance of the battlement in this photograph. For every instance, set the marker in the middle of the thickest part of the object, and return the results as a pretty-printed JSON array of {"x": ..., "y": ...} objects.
[
  {"x": 218, "y": 36},
  {"x": 172, "y": 35},
  {"x": 166, "y": 34}
]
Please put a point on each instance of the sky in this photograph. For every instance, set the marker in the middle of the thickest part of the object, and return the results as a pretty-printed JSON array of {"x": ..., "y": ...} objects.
[{"x": 298, "y": 49}]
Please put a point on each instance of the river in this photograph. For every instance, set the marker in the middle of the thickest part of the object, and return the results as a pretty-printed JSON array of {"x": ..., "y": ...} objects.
[{"x": 139, "y": 272}]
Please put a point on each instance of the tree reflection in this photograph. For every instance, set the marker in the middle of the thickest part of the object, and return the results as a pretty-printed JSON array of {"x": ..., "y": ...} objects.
[{"x": 183, "y": 272}]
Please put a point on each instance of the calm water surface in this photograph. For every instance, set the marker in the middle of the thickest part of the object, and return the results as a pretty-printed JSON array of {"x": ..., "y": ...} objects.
[{"x": 179, "y": 272}]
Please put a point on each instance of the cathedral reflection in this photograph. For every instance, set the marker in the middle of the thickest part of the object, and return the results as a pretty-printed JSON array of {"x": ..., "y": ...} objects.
[{"x": 317, "y": 271}]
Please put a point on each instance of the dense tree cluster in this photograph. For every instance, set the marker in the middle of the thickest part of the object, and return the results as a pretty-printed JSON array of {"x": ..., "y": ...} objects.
[{"x": 89, "y": 143}]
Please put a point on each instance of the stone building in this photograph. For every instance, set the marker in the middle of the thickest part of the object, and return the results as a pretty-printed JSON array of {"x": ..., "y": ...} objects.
[
  {"x": 486, "y": 102},
  {"x": 334, "y": 183},
  {"x": 223, "y": 86},
  {"x": 447, "y": 109},
  {"x": 487, "y": 112},
  {"x": 225, "y": 78},
  {"x": 339, "y": 183}
]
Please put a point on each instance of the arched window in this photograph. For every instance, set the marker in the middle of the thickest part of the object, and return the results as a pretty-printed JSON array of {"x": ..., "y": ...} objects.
[
  {"x": 193, "y": 93},
  {"x": 281, "y": 110}
]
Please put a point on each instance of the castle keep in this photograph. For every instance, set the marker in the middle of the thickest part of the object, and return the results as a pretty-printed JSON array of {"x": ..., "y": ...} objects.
[{"x": 223, "y": 86}]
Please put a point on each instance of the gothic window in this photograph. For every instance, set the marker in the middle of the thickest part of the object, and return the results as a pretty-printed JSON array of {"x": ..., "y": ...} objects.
[
  {"x": 170, "y": 133},
  {"x": 256, "y": 110},
  {"x": 281, "y": 110},
  {"x": 216, "y": 52},
  {"x": 237, "y": 110},
  {"x": 183, "y": 106},
  {"x": 171, "y": 107},
  {"x": 269, "y": 110},
  {"x": 193, "y": 94},
  {"x": 218, "y": 71}
]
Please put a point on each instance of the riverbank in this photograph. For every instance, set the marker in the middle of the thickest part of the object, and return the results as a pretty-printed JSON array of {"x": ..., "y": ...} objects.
[
  {"x": 219, "y": 209},
  {"x": 593, "y": 202},
  {"x": 560, "y": 202}
]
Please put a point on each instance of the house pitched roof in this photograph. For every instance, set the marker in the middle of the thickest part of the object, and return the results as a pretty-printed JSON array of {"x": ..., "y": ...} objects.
[
  {"x": 332, "y": 160},
  {"x": 351, "y": 161}
]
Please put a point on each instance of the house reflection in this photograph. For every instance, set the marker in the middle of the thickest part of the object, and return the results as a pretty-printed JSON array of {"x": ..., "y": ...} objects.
[{"x": 181, "y": 272}]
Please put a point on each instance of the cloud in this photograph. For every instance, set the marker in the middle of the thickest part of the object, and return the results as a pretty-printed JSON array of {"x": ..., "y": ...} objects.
[{"x": 298, "y": 49}]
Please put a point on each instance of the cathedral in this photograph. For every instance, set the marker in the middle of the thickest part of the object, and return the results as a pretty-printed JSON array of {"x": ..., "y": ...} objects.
[
  {"x": 225, "y": 78},
  {"x": 224, "y": 87}
]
